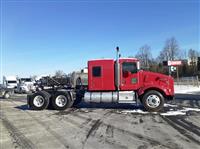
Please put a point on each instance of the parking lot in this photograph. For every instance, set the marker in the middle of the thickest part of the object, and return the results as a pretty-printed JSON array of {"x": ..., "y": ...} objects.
[{"x": 89, "y": 126}]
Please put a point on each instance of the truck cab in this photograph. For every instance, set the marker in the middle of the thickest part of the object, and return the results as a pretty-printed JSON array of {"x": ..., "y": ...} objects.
[
  {"x": 103, "y": 75},
  {"x": 122, "y": 81},
  {"x": 25, "y": 85}
]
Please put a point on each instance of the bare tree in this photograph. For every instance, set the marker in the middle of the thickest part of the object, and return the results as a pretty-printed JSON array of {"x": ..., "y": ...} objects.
[
  {"x": 183, "y": 55},
  {"x": 171, "y": 50},
  {"x": 33, "y": 77},
  {"x": 193, "y": 54},
  {"x": 59, "y": 73},
  {"x": 144, "y": 55}
]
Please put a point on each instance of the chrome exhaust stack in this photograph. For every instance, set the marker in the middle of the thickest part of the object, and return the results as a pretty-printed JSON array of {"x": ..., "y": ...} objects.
[{"x": 117, "y": 70}]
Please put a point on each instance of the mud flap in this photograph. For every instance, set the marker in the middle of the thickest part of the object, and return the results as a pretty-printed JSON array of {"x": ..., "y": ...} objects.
[{"x": 28, "y": 100}]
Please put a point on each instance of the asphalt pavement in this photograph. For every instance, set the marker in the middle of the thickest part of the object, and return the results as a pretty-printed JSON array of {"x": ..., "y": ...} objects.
[{"x": 109, "y": 126}]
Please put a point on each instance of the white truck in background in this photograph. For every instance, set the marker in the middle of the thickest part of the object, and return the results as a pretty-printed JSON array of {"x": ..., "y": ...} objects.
[
  {"x": 26, "y": 85},
  {"x": 10, "y": 82}
]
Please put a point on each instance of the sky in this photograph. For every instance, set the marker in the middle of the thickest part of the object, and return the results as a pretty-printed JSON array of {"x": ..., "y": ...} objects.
[{"x": 42, "y": 36}]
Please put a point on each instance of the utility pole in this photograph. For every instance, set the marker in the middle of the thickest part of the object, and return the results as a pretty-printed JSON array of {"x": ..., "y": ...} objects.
[
  {"x": 169, "y": 70},
  {"x": 169, "y": 67},
  {"x": 177, "y": 74}
]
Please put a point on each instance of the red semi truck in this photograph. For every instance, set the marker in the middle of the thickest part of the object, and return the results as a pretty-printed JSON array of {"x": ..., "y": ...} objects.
[{"x": 110, "y": 81}]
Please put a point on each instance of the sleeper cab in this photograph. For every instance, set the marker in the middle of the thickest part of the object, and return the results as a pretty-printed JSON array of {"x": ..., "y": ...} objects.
[{"x": 101, "y": 75}]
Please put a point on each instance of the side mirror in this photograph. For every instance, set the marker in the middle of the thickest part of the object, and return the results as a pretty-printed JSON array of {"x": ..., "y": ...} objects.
[{"x": 126, "y": 74}]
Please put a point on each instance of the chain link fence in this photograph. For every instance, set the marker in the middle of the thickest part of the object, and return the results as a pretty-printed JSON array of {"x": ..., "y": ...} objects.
[{"x": 188, "y": 81}]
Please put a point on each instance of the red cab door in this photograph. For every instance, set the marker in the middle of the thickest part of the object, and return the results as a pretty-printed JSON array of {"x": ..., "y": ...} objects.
[{"x": 128, "y": 74}]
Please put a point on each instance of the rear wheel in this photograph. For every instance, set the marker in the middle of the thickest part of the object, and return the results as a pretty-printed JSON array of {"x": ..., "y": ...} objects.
[
  {"x": 39, "y": 100},
  {"x": 61, "y": 101},
  {"x": 153, "y": 101}
]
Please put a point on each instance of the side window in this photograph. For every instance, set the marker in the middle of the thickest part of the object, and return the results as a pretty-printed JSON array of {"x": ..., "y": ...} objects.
[
  {"x": 96, "y": 71},
  {"x": 130, "y": 67}
]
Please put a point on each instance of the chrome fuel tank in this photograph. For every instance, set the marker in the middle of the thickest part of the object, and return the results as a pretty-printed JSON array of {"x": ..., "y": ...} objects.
[
  {"x": 99, "y": 97},
  {"x": 110, "y": 97}
]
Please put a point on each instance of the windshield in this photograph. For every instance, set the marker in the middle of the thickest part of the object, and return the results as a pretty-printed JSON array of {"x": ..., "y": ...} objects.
[
  {"x": 26, "y": 79},
  {"x": 12, "y": 81}
]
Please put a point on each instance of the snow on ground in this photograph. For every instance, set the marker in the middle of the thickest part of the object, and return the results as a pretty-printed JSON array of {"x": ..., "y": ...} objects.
[
  {"x": 185, "y": 109},
  {"x": 186, "y": 89},
  {"x": 170, "y": 113},
  {"x": 180, "y": 111},
  {"x": 133, "y": 111},
  {"x": 173, "y": 110},
  {"x": 170, "y": 105}
]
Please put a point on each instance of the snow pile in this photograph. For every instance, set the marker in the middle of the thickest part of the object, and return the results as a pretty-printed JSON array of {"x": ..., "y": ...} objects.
[{"x": 186, "y": 88}]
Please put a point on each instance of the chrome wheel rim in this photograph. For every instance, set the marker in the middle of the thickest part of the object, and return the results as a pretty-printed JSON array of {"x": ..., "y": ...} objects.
[
  {"x": 153, "y": 101},
  {"x": 61, "y": 101},
  {"x": 38, "y": 101}
]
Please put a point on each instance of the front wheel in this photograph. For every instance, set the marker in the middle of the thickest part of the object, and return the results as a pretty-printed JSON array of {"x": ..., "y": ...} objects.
[{"x": 153, "y": 101}]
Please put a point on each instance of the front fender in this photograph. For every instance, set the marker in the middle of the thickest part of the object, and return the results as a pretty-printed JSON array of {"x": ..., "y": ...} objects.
[{"x": 164, "y": 90}]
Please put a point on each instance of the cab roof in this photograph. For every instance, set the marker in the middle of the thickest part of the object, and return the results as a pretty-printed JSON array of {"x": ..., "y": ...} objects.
[{"x": 111, "y": 59}]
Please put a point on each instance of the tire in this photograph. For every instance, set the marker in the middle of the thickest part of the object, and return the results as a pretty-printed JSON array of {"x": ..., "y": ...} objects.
[
  {"x": 6, "y": 95},
  {"x": 153, "y": 101},
  {"x": 61, "y": 100},
  {"x": 39, "y": 100}
]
